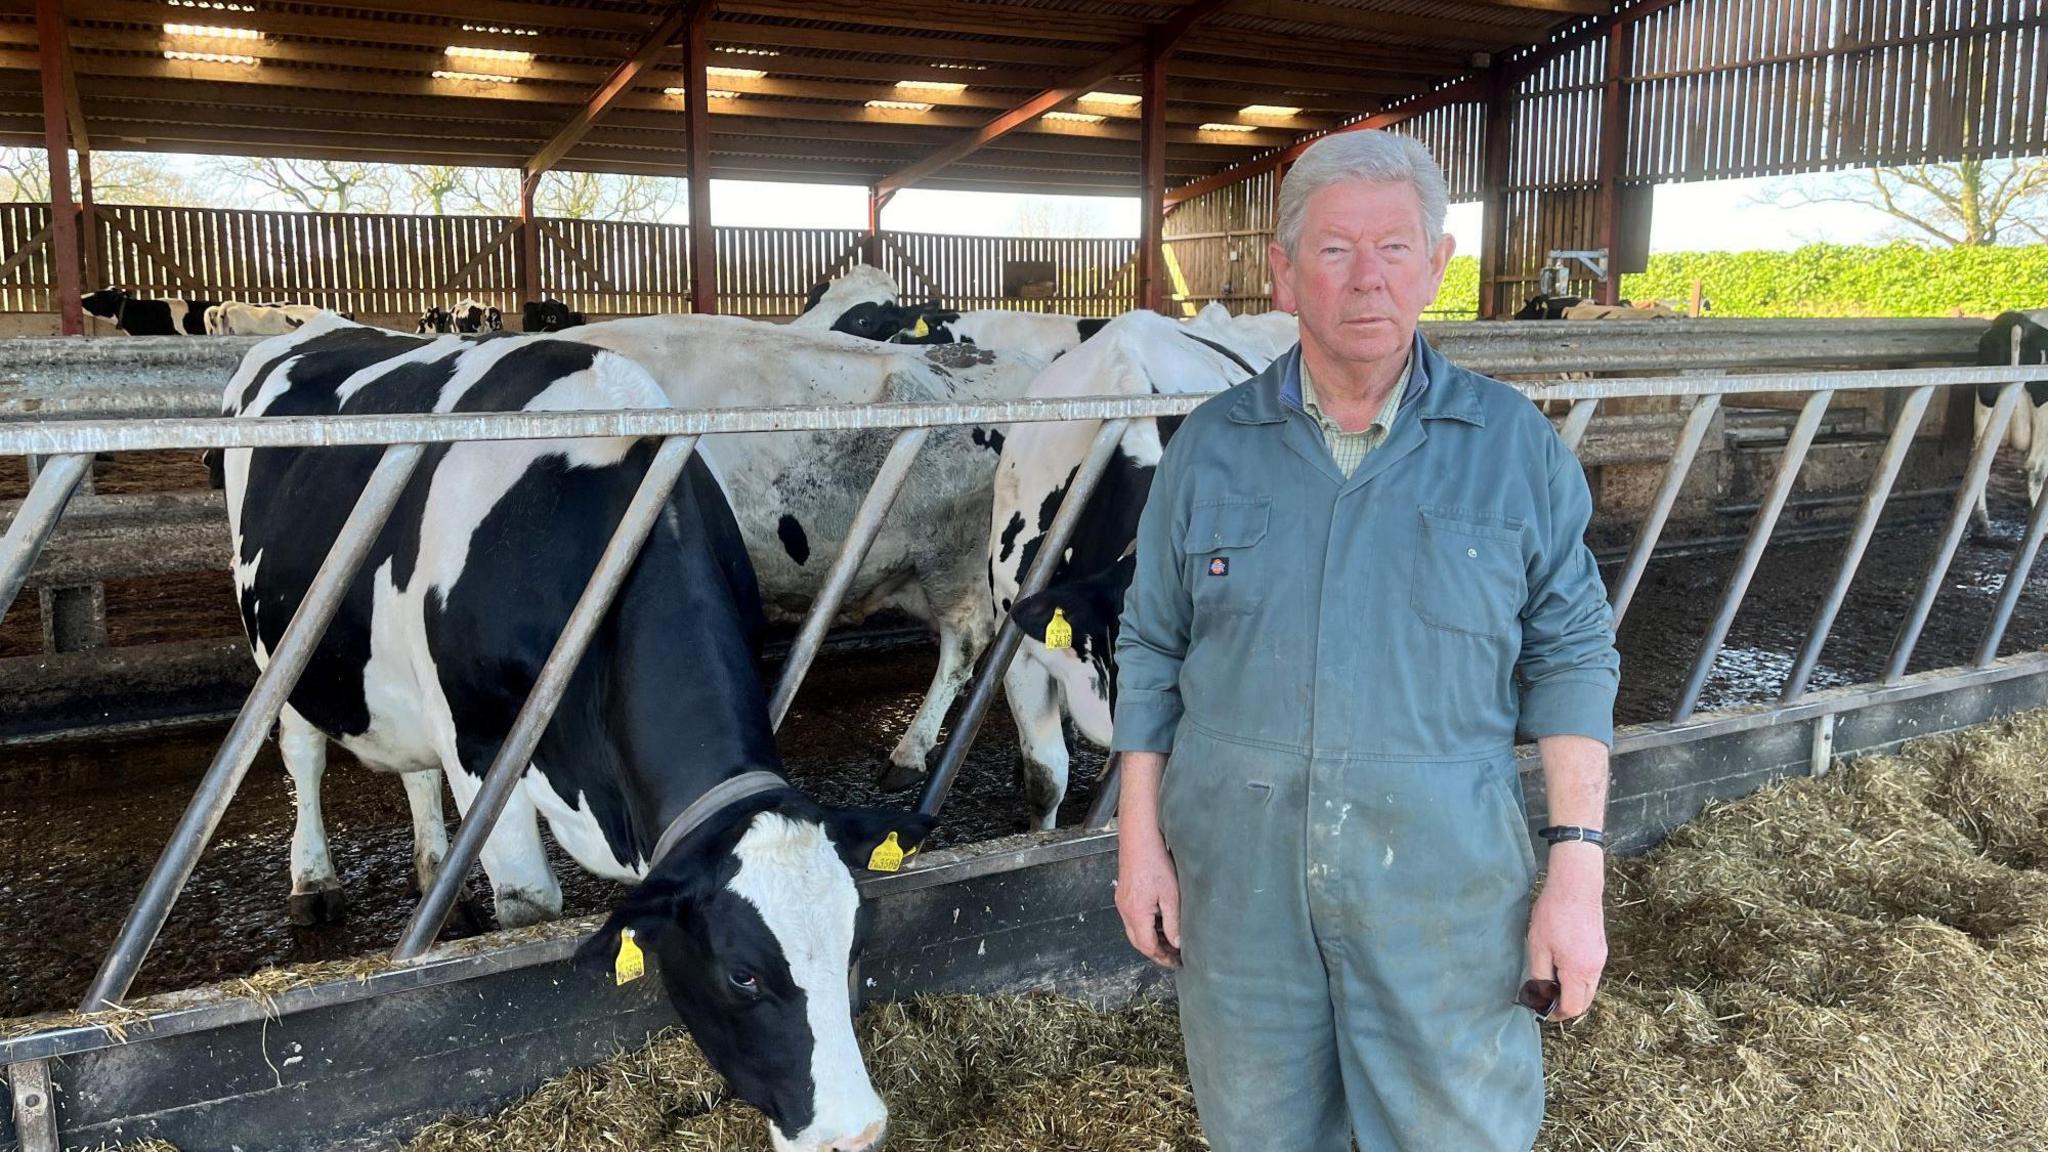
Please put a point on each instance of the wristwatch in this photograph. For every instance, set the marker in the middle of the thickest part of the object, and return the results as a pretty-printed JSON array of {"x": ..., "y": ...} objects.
[{"x": 1566, "y": 833}]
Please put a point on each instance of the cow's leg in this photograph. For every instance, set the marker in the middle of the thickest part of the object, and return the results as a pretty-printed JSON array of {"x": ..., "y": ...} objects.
[
  {"x": 2037, "y": 454},
  {"x": 1033, "y": 697},
  {"x": 316, "y": 891},
  {"x": 958, "y": 649},
  {"x": 429, "y": 825},
  {"x": 1980, "y": 520},
  {"x": 523, "y": 886}
]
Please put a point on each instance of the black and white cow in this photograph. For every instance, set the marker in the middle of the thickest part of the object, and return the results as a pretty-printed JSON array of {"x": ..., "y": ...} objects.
[
  {"x": 1139, "y": 353},
  {"x": 864, "y": 303},
  {"x": 751, "y": 917},
  {"x": 142, "y": 316},
  {"x": 467, "y": 317},
  {"x": 2028, "y": 432},
  {"x": 548, "y": 316},
  {"x": 795, "y": 493},
  {"x": 1541, "y": 307}
]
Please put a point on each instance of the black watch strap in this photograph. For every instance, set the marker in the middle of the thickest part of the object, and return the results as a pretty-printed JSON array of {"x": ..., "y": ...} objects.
[{"x": 1567, "y": 833}]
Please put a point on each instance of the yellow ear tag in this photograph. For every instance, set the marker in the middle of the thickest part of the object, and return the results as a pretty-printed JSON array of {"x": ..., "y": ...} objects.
[
  {"x": 1058, "y": 633},
  {"x": 632, "y": 963},
  {"x": 922, "y": 330},
  {"x": 888, "y": 856}
]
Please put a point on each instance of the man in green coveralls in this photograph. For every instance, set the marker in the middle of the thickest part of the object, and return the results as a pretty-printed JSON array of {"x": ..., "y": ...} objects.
[{"x": 1359, "y": 574}]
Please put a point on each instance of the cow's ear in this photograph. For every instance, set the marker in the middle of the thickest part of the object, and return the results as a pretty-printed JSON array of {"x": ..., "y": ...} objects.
[
  {"x": 876, "y": 838},
  {"x": 650, "y": 910},
  {"x": 1087, "y": 605}
]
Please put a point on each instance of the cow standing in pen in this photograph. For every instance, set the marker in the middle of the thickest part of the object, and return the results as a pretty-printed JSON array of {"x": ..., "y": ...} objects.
[{"x": 659, "y": 767}]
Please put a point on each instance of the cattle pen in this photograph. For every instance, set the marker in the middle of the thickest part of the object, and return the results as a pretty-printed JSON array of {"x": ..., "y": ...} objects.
[{"x": 1782, "y": 508}]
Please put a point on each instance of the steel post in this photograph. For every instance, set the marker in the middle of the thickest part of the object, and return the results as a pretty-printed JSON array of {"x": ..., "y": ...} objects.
[
  {"x": 1102, "y": 809},
  {"x": 2015, "y": 583},
  {"x": 1697, "y": 422},
  {"x": 516, "y": 752},
  {"x": 1789, "y": 462},
  {"x": 252, "y": 725},
  {"x": 867, "y": 524},
  {"x": 34, "y": 520},
  {"x": 1576, "y": 423},
  {"x": 1886, "y": 474},
  {"x": 997, "y": 661},
  {"x": 1974, "y": 478}
]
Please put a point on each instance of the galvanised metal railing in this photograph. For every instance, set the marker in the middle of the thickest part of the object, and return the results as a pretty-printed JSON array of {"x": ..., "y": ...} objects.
[{"x": 69, "y": 446}]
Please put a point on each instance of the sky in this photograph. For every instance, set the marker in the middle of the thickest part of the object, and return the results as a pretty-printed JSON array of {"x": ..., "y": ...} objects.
[{"x": 1732, "y": 215}]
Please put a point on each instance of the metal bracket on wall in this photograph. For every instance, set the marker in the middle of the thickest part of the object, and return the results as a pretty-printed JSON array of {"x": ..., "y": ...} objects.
[
  {"x": 35, "y": 1106},
  {"x": 1555, "y": 277},
  {"x": 1823, "y": 754}
]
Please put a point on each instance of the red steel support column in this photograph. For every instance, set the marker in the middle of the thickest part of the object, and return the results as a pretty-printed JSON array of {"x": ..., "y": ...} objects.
[
  {"x": 1493, "y": 191},
  {"x": 50, "y": 32},
  {"x": 529, "y": 240},
  {"x": 697, "y": 111},
  {"x": 1152, "y": 179},
  {"x": 1613, "y": 133}
]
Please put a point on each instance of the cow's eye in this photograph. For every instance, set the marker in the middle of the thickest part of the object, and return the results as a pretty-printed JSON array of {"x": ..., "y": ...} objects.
[{"x": 744, "y": 980}]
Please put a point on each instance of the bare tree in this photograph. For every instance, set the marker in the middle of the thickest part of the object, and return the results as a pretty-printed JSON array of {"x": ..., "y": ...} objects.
[
  {"x": 117, "y": 178},
  {"x": 604, "y": 196},
  {"x": 1062, "y": 217},
  {"x": 314, "y": 185},
  {"x": 1967, "y": 203}
]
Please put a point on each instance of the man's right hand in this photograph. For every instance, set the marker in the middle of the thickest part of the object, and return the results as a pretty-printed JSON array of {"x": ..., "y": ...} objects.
[{"x": 1147, "y": 888}]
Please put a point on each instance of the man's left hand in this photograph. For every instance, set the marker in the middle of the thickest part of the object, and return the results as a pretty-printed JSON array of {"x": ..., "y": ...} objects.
[{"x": 1567, "y": 929}]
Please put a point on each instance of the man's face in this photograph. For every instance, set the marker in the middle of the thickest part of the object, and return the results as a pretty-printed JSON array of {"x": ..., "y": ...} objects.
[{"x": 1363, "y": 271}]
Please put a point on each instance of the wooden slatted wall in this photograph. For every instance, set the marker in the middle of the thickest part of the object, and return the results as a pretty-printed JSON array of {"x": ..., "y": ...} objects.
[
  {"x": 25, "y": 270},
  {"x": 1218, "y": 242}
]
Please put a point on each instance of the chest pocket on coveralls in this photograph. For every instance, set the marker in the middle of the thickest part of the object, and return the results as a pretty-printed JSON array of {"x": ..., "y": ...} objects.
[
  {"x": 1469, "y": 574},
  {"x": 1222, "y": 553}
]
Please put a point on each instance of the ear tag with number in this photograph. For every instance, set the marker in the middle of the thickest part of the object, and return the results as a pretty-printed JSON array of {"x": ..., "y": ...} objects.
[
  {"x": 1058, "y": 633},
  {"x": 922, "y": 330},
  {"x": 889, "y": 855},
  {"x": 632, "y": 963}
]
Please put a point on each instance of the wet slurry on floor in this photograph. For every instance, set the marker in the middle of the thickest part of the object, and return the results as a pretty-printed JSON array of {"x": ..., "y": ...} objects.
[{"x": 81, "y": 825}]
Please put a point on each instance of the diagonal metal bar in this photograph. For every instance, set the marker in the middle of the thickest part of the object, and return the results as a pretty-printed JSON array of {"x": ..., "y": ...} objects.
[
  {"x": 516, "y": 752},
  {"x": 2015, "y": 583},
  {"x": 1576, "y": 423},
  {"x": 1102, "y": 809},
  {"x": 1889, "y": 462},
  {"x": 34, "y": 521},
  {"x": 867, "y": 524},
  {"x": 252, "y": 726},
  {"x": 1689, "y": 437},
  {"x": 1789, "y": 462},
  {"x": 1974, "y": 478},
  {"x": 1009, "y": 636}
]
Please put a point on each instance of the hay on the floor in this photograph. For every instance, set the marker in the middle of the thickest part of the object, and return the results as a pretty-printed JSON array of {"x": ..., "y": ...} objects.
[
  {"x": 973, "y": 1074},
  {"x": 1853, "y": 963}
]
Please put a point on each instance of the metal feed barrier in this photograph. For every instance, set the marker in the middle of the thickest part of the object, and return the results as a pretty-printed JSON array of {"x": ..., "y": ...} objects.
[{"x": 68, "y": 447}]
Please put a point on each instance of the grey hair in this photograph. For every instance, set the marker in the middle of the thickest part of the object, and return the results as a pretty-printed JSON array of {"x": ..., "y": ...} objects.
[{"x": 1371, "y": 157}]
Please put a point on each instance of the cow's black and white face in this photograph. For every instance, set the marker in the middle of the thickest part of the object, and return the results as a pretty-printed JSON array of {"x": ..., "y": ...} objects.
[
  {"x": 105, "y": 303},
  {"x": 753, "y": 934}
]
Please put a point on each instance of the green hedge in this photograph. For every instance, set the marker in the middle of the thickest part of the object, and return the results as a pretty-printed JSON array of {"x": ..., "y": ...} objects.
[{"x": 1823, "y": 280}]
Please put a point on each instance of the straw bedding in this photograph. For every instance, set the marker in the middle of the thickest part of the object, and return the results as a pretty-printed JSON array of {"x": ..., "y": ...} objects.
[{"x": 1848, "y": 963}]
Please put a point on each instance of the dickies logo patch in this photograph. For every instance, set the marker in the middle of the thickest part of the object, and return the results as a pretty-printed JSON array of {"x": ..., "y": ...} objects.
[{"x": 1220, "y": 566}]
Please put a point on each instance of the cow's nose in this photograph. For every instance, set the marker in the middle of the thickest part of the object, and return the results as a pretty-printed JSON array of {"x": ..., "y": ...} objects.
[{"x": 868, "y": 1141}]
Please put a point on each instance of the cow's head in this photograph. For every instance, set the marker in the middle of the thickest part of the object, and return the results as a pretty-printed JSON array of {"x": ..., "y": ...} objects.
[
  {"x": 1084, "y": 661},
  {"x": 753, "y": 923},
  {"x": 896, "y": 323},
  {"x": 435, "y": 320},
  {"x": 105, "y": 303}
]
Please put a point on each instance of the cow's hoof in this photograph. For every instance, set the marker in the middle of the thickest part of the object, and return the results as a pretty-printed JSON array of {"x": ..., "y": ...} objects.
[
  {"x": 318, "y": 907},
  {"x": 897, "y": 778},
  {"x": 519, "y": 909}
]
